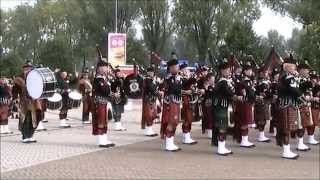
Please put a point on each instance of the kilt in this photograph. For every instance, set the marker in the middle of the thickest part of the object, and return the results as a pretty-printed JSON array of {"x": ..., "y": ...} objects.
[
  {"x": 315, "y": 116},
  {"x": 169, "y": 120},
  {"x": 243, "y": 113},
  {"x": 86, "y": 100},
  {"x": 275, "y": 113},
  {"x": 306, "y": 116},
  {"x": 207, "y": 120},
  {"x": 44, "y": 104},
  {"x": 220, "y": 116},
  {"x": 189, "y": 114},
  {"x": 287, "y": 119},
  {"x": 149, "y": 111},
  {"x": 4, "y": 114},
  {"x": 99, "y": 120},
  {"x": 261, "y": 114}
]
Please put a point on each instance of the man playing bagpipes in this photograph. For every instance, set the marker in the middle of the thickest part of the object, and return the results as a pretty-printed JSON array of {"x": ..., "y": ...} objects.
[
  {"x": 150, "y": 94},
  {"x": 315, "y": 106},
  {"x": 222, "y": 97},
  {"x": 100, "y": 96},
  {"x": 5, "y": 101},
  {"x": 288, "y": 100},
  {"x": 118, "y": 99},
  {"x": 85, "y": 88},
  {"x": 274, "y": 105},
  {"x": 30, "y": 110},
  {"x": 190, "y": 95},
  {"x": 207, "y": 120},
  {"x": 171, "y": 105},
  {"x": 305, "y": 107},
  {"x": 262, "y": 103},
  {"x": 200, "y": 75},
  {"x": 244, "y": 108}
]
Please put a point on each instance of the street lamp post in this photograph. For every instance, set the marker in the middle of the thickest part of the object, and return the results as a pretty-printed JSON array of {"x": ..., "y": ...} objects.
[{"x": 116, "y": 16}]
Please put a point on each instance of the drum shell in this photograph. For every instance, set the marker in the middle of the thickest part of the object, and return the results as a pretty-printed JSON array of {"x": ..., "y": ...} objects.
[
  {"x": 74, "y": 100},
  {"x": 74, "y": 103},
  {"x": 54, "y": 105},
  {"x": 54, "y": 102}
]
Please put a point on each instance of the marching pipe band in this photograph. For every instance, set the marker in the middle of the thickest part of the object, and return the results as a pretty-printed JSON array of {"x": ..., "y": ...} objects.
[{"x": 227, "y": 103}]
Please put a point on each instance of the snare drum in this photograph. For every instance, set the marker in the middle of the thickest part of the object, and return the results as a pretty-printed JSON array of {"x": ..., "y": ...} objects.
[
  {"x": 74, "y": 99},
  {"x": 55, "y": 102},
  {"x": 41, "y": 83}
]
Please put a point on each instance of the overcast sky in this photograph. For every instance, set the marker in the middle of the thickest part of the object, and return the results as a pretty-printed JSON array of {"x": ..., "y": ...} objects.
[{"x": 269, "y": 20}]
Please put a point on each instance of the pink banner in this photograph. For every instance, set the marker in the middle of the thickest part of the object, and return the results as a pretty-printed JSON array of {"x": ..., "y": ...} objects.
[{"x": 117, "y": 48}]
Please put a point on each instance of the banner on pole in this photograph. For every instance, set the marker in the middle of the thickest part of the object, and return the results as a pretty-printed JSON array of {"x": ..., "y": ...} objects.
[{"x": 117, "y": 49}]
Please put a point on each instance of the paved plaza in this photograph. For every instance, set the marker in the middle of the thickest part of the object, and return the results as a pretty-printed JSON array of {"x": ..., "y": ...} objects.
[{"x": 73, "y": 154}]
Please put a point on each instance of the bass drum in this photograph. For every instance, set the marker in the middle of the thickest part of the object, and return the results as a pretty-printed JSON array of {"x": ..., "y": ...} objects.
[
  {"x": 55, "y": 102},
  {"x": 41, "y": 83},
  {"x": 74, "y": 99},
  {"x": 133, "y": 86}
]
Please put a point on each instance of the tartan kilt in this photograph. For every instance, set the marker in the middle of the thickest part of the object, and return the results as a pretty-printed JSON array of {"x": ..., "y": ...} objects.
[
  {"x": 170, "y": 118},
  {"x": 275, "y": 113},
  {"x": 220, "y": 116},
  {"x": 306, "y": 116},
  {"x": 4, "y": 114},
  {"x": 86, "y": 103},
  {"x": 244, "y": 113},
  {"x": 287, "y": 119},
  {"x": 99, "y": 119},
  {"x": 261, "y": 114},
  {"x": 315, "y": 116},
  {"x": 149, "y": 110},
  {"x": 207, "y": 120}
]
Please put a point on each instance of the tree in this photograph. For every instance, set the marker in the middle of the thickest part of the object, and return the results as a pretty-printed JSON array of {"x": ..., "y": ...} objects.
[
  {"x": 242, "y": 39},
  {"x": 205, "y": 22},
  {"x": 10, "y": 65},
  {"x": 54, "y": 54},
  {"x": 307, "y": 13},
  {"x": 156, "y": 27}
]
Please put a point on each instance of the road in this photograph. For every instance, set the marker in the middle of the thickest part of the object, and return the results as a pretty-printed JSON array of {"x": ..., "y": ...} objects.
[{"x": 73, "y": 154}]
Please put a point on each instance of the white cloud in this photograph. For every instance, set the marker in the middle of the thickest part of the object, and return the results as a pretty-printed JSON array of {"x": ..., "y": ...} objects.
[{"x": 270, "y": 20}]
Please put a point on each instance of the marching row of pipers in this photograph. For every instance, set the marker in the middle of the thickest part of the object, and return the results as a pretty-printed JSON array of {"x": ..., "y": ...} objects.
[{"x": 228, "y": 101}]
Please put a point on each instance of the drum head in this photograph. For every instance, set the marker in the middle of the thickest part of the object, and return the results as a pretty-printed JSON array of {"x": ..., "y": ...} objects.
[
  {"x": 34, "y": 84},
  {"x": 75, "y": 95},
  {"x": 55, "y": 98},
  {"x": 133, "y": 86}
]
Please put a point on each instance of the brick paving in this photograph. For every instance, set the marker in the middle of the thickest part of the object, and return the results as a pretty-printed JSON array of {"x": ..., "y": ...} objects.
[
  {"x": 72, "y": 154},
  {"x": 57, "y": 143}
]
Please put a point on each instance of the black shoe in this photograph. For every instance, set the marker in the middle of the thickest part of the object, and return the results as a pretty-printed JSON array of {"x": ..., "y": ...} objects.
[
  {"x": 266, "y": 141},
  {"x": 152, "y": 135},
  {"x": 179, "y": 149},
  {"x": 195, "y": 142},
  {"x": 303, "y": 150},
  {"x": 226, "y": 154},
  {"x": 252, "y": 146},
  {"x": 64, "y": 127},
  {"x": 107, "y": 145},
  {"x": 293, "y": 158}
]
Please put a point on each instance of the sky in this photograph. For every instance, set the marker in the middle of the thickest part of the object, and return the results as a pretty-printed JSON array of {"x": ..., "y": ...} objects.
[{"x": 269, "y": 20}]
